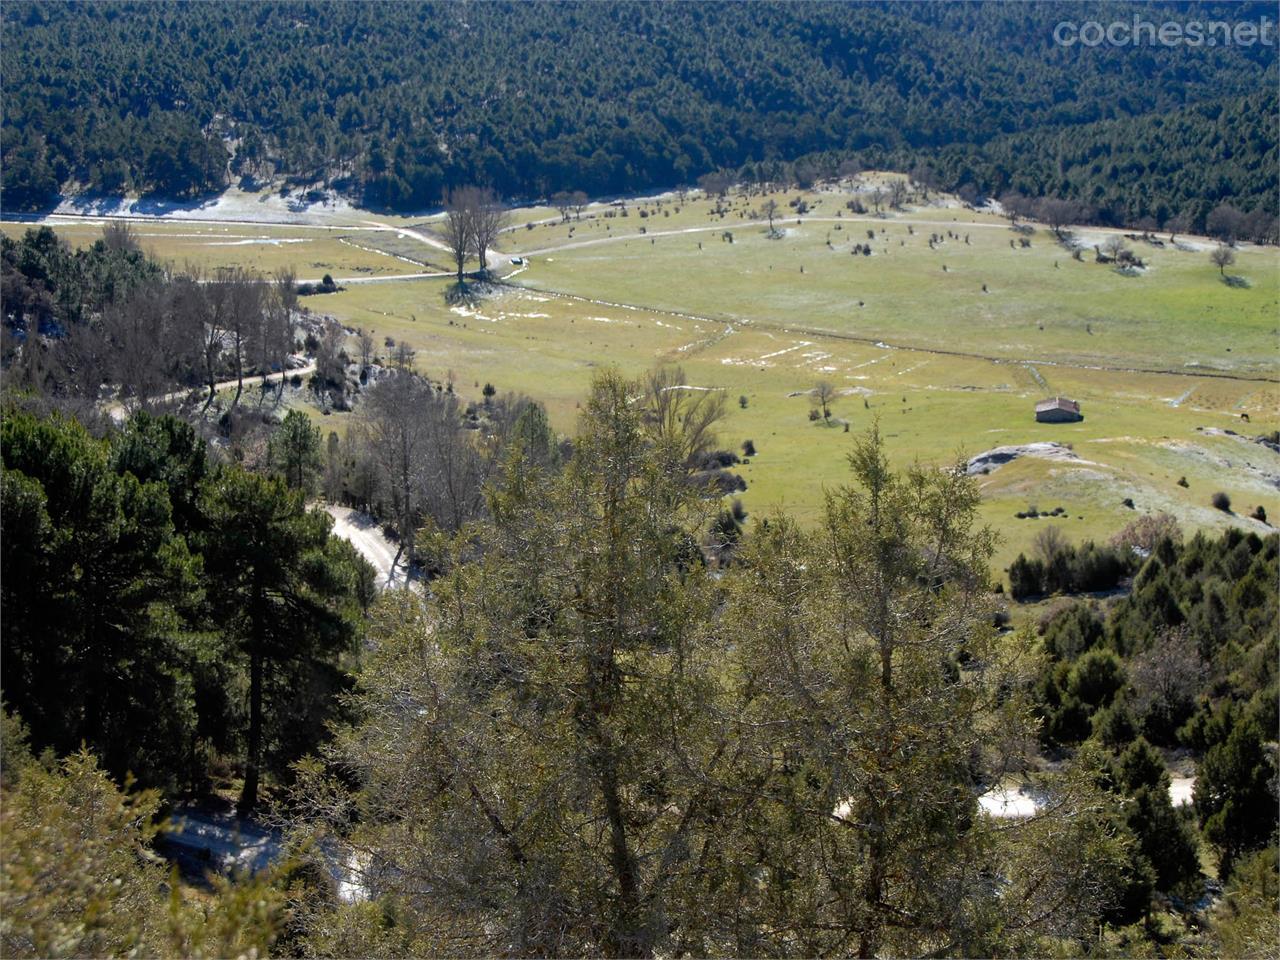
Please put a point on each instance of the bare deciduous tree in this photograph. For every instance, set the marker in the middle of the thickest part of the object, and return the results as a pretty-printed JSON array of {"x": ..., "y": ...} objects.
[
  {"x": 897, "y": 193},
  {"x": 279, "y": 330},
  {"x": 824, "y": 394},
  {"x": 329, "y": 364},
  {"x": 1114, "y": 246},
  {"x": 488, "y": 218},
  {"x": 1225, "y": 223},
  {"x": 119, "y": 235},
  {"x": 1058, "y": 214},
  {"x": 402, "y": 357},
  {"x": 244, "y": 296},
  {"x": 562, "y": 200},
  {"x": 1166, "y": 679},
  {"x": 1048, "y": 544},
  {"x": 770, "y": 209},
  {"x": 1015, "y": 206},
  {"x": 136, "y": 329},
  {"x": 393, "y": 425},
  {"x": 457, "y": 227},
  {"x": 681, "y": 416},
  {"x": 365, "y": 340},
  {"x": 1222, "y": 256}
]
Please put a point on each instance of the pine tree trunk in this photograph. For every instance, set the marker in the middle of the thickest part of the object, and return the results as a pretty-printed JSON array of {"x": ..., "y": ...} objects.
[
  {"x": 249, "y": 795},
  {"x": 253, "y": 764}
]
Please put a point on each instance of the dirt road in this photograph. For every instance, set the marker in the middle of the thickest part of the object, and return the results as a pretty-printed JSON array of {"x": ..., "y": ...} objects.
[{"x": 363, "y": 532}]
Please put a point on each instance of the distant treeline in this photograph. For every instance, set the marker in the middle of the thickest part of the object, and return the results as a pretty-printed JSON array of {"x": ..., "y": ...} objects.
[{"x": 392, "y": 104}]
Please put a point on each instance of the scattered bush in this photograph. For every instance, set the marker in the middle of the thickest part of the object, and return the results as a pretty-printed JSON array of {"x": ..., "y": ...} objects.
[
  {"x": 723, "y": 482},
  {"x": 1221, "y": 501},
  {"x": 717, "y": 459},
  {"x": 1060, "y": 567},
  {"x": 748, "y": 448}
]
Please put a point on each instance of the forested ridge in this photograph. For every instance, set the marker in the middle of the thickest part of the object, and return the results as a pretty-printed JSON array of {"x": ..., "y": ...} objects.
[{"x": 393, "y": 103}]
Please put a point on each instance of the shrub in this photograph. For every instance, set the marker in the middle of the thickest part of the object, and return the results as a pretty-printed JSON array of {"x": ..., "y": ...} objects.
[
  {"x": 714, "y": 459},
  {"x": 1221, "y": 501},
  {"x": 724, "y": 482},
  {"x": 1096, "y": 678},
  {"x": 1025, "y": 577},
  {"x": 1114, "y": 725},
  {"x": 748, "y": 448},
  {"x": 1259, "y": 513}
]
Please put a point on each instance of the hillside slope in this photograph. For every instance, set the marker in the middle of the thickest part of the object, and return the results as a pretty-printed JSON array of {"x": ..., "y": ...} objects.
[{"x": 393, "y": 103}]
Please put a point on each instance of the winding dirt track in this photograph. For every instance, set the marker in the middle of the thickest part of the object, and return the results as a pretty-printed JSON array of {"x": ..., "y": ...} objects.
[{"x": 363, "y": 533}]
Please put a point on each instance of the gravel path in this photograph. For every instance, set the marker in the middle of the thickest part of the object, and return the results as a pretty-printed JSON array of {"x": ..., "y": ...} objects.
[{"x": 366, "y": 535}]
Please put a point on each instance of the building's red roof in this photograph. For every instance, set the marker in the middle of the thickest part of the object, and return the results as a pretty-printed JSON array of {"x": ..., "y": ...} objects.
[{"x": 1058, "y": 403}]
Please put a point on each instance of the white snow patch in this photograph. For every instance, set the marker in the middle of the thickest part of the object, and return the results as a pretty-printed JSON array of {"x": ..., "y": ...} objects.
[
  {"x": 778, "y": 353},
  {"x": 1182, "y": 791},
  {"x": 1009, "y": 803},
  {"x": 269, "y": 241}
]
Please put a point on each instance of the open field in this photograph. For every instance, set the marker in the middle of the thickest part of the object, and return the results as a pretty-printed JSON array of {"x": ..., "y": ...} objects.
[
  {"x": 345, "y": 253},
  {"x": 1163, "y": 361}
]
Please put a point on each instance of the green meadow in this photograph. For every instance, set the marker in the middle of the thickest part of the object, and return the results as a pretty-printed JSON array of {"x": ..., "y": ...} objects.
[{"x": 947, "y": 344}]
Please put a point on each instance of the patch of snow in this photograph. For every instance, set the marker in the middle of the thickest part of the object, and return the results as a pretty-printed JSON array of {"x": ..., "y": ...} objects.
[
  {"x": 778, "y": 353},
  {"x": 269, "y": 241},
  {"x": 1182, "y": 790},
  {"x": 1008, "y": 803}
]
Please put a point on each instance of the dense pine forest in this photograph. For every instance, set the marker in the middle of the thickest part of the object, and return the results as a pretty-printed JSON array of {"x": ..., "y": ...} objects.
[{"x": 394, "y": 103}]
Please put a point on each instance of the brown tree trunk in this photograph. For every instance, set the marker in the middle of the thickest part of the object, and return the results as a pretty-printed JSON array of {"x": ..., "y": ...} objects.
[
  {"x": 628, "y": 935},
  {"x": 253, "y": 764},
  {"x": 239, "y": 373}
]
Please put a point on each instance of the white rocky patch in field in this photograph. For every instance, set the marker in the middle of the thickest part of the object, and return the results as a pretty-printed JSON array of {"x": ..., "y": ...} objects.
[{"x": 997, "y": 457}]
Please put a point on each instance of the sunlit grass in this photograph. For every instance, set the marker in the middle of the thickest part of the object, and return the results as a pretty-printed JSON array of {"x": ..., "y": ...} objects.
[{"x": 948, "y": 369}]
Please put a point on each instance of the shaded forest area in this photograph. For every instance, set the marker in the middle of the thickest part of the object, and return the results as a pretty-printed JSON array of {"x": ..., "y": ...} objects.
[{"x": 392, "y": 104}]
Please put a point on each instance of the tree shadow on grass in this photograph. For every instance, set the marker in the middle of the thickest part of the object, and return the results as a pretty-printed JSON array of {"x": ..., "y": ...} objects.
[
  {"x": 462, "y": 293},
  {"x": 1237, "y": 283}
]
